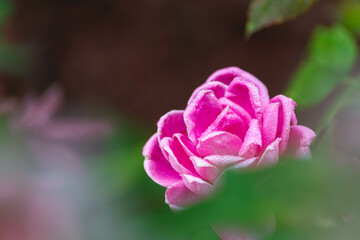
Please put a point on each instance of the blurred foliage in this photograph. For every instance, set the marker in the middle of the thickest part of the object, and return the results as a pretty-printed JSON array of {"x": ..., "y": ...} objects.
[
  {"x": 264, "y": 13},
  {"x": 206, "y": 234},
  {"x": 349, "y": 15},
  {"x": 14, "y": 58},
  {"x": 6, "y": 9},
  {"x": 123, "y": 152},
  {"x": 303, "y": 199},
  {"x": 332, "y": 53}
]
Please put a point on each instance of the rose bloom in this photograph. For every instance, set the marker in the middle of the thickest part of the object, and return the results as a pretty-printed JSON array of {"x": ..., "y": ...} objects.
[{"x": 229, "y": 122}]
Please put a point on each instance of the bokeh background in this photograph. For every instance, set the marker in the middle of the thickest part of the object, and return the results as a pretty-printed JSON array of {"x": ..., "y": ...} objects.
[
  {"x": 83, "y": 83},
  {"x": 146, "y": 57}
]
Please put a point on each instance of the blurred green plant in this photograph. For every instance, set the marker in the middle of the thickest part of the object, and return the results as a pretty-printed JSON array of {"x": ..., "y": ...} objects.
[
  {"x": 349, "y": 15},
  {"x": 264, "y": 13},
  {"x": 6, "y": 10},
  {"x": 123, "y": 166},
  {"x": 205, "y": 234},
  {"x": 14, "y": 58},
  {"x": 332, "y": 53},
  {"x": 304, "y": 200}
]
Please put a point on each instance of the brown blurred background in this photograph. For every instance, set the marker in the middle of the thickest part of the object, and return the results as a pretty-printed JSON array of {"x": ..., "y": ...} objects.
[{"x": 146, "y": 56}]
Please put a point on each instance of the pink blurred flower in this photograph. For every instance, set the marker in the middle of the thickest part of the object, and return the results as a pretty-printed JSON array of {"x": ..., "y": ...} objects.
[
  {"x": 7, "y": 105},
  {"x": 42, "y": 202},
  {"x": 229, "y": 122},
  {"x": 37, "y": 116},
  {"x": 49, "y": 138}
]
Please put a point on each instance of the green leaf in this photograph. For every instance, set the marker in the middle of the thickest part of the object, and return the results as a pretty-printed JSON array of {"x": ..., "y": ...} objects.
[
  {"x": 332, "y": 54},
  {"x": 264, "y": 13}
]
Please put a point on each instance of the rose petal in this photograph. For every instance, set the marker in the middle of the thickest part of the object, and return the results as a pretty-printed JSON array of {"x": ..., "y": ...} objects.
[
  {"x": 226, "y": 76},
  {"x": 270, "y": 123},
  {"x": 176, "y": 155},
  {"x": 245, "y": 116},
  {"x": 286, "y": 111},
  {"x": 252, "y": 140},
  {"x": 223, "y": 161},
  {"x": 303, "y": 152},
  {"x": 219, "y": 143},
  {"x": 205, "y": 169},
  {"x": 178, "y": 196},
  {"x": 230, "y": 162},
  {"x": 161, "y": 172},
  {"x": 293, "y": 119},
  {"x": 202, "y": 167},
  {"x": 171, "y": 123},
  {"x": 217, "y": 88},
  {"x": 246, "y": 95},
  {"x": 246, "y": 163},
  {"x": 228, "y": 121},
  {"x": 271, "y": 155},
  {"x": 152, "y": 150},
  {"x": 197, "y": 185},
  {"x": 156, "y": 166},
  {"x": 300, "y": 140},
  {"x": 188, "y": 146},
  {"x": 200, "y": 113}
]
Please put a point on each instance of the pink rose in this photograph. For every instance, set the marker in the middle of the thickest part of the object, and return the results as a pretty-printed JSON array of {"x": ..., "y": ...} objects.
[{"x": 229, "y": 122}]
